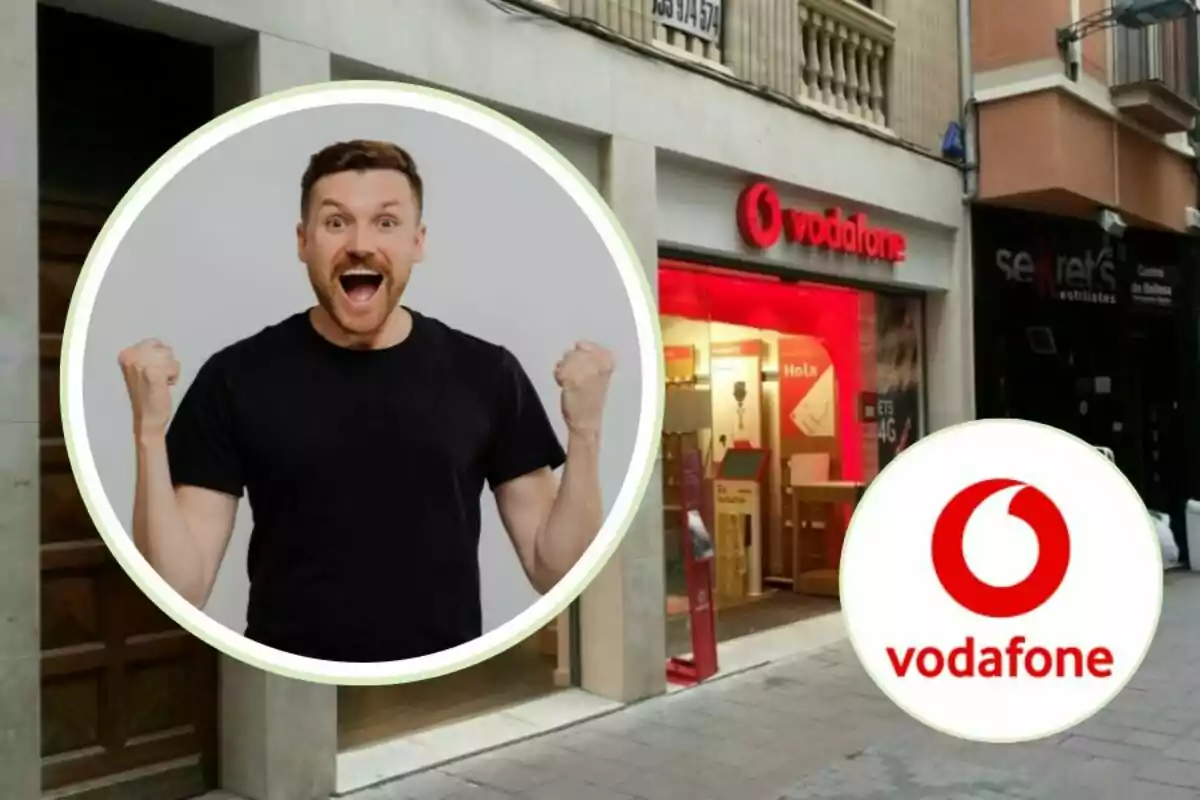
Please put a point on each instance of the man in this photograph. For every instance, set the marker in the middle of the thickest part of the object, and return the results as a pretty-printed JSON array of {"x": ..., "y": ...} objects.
[{"x": 362, "y": 433}]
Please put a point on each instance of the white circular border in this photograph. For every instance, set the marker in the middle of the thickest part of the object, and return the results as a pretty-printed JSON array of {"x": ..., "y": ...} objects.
[
  {"x": 484, "y": 119},
  {"x": 1116, "y": 690}
]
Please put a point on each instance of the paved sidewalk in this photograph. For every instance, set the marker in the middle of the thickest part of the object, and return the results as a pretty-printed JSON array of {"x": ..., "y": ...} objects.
[{"x": 816, "y": 727}]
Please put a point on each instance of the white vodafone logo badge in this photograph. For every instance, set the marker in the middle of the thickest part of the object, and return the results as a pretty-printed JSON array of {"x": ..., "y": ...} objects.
[{"x": 1001, "y": 581}]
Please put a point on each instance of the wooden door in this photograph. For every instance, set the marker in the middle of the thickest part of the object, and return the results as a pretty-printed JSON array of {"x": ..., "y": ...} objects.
[{"x": 128, "y": 698}]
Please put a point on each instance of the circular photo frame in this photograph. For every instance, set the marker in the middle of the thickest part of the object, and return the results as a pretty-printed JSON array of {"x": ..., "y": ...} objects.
[{"x": 575, "y": 189}]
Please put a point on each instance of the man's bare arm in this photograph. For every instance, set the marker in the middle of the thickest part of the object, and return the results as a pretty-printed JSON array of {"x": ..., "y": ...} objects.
[
  {"x": 182, "y": 532},
  {"x": 552, "y": 525}
]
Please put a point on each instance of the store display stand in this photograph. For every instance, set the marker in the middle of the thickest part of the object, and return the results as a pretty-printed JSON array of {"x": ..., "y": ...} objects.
[
  {"x": 697, "y": 559},
  {"x": 739, "y": 498}
]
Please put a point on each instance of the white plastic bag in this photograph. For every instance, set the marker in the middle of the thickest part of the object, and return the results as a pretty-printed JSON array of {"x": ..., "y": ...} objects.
[
  {"x": 1191, "y": 516},
  {"x": 1166, "y": 539}
]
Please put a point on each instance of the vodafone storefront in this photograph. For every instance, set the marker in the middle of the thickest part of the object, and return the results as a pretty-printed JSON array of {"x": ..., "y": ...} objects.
[{"x": 795, "y": 329}]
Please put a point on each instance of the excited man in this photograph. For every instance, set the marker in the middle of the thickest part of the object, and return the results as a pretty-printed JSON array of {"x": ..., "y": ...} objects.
[{"x": 363, "y": 434}]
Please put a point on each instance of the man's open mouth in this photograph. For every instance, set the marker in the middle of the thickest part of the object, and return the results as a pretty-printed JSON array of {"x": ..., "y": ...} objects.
[{"x": 360, "y": 284}]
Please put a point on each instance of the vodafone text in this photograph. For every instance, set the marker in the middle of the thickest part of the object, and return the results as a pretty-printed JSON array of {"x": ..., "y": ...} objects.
[
  {"x": 762, "y": 220},
  {"x": 1013, "y": 660}
]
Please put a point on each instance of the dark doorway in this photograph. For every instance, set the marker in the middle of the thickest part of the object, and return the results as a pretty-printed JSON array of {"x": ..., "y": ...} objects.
[
  {"x": 1155, "y": 457},
  {"x": 128, "y": 700}
]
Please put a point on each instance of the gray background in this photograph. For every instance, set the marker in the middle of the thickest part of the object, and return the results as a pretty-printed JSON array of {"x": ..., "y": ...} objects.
[{"x": 212, "y": 259}]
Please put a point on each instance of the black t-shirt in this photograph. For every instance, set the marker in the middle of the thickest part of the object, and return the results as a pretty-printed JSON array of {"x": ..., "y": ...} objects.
[{"x": 364, "y": 470}]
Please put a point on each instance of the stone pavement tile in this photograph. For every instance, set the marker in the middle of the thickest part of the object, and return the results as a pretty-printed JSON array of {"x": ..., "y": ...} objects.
[
  {"x": 1157, "y": 741},
  {"x": 1072, "y": 789},
  {"x": 1173, "y": 773},
  {"x": 1032, "y": 758},
  {"x": 1111, "y": 750},
  {"x": 1143, "y": 721},
  {"x": 590, "y": 769},
  {"x": 432, "y": 785},
  {"x": 724, "y": 784},
  {"x": 617, "y": 724},
  {"x": 669, "y": 785},
  {"x": 665, "y": 738},
  {"x": 887, "y": 774},
  {"x": 1105, "y": 731},
  {"x": 1143, "y": 790},
  {"x": 1137, "y": 700},
  {"x": 573, "y": 790},
  {"x": 686, "y": 718},
  {"x": 1098, "y": 774},
  {"x": 476, "y": 793},
  {"x": 580, "y": 739},
  {"x": 1183, "y": 750},
  {"x": 614, "y": 748},
  {"x": 1179, "y": 712},
  {"x": 498, "y": 772}
]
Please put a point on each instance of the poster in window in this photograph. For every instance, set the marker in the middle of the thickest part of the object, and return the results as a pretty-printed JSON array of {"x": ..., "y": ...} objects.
[
  {"x": 807, "y": 388},
  {"x": 898, "y": 376},
  {"x": 736, "y": 386},
  {"x": 680, "y": 362}
]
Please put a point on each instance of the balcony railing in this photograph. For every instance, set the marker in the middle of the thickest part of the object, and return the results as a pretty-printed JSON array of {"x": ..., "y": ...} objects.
[
  {"x": 843, "y": 58},
  {"x": 831, "y": 54},
  {"x": 1156, "y": 75}
]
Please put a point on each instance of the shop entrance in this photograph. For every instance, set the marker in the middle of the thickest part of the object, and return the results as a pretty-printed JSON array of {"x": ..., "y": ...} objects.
[
  {"x": 128, "y": 699},
  {"x": 1088, "y": 333},
  {"x": 1154, "y": 458},
  {"x": 826, "y": 382}
]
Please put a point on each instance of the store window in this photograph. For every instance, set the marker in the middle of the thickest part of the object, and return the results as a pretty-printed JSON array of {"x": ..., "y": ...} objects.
[
  {"x": 788, "y": 398},
  {"x": 534, "y": 668}
]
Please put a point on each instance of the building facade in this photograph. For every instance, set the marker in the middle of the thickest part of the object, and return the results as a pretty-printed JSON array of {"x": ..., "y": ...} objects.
[
  {"x": 1085, "y": 250},
  {"x": 780, "y": 174}
]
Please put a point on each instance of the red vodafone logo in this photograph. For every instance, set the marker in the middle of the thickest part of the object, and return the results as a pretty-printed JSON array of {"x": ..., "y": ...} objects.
[
  {"x": 1035, "y": 509},
  {"x": 762, "y": 220},
  {"x": 1001, "y": 580},
  {"x": 1012, "y": 659}
]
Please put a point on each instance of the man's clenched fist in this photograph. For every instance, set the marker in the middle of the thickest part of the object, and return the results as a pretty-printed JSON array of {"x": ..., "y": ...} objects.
[
  {"x": 150, "y": 371},
  {"x": 583, "y": 374}
]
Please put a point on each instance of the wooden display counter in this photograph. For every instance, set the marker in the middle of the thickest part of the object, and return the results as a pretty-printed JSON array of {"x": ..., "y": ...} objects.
[{"x": 817, "y": 529}]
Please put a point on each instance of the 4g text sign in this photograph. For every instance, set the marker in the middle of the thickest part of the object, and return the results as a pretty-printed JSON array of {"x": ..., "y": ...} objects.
[{"x": 1001, "y": 581}]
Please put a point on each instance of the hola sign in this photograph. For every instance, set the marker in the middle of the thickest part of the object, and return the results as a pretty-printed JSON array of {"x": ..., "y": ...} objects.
[{"x": 762, "y": 220}]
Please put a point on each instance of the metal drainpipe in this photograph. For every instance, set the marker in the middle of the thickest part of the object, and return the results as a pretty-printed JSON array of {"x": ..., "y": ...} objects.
[
  {"x": 966, "y": 78},
  {"x": 969, "y": 122}
]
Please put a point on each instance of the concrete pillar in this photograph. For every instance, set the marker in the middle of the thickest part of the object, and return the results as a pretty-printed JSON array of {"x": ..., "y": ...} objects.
[
  {"x": 623, "y": 613},
  {"x": 278, "y": 736},
  {"x": 263, "y": 64},
  {"x": 950, "y": 341},
  {"x": 20, "y": 690}
]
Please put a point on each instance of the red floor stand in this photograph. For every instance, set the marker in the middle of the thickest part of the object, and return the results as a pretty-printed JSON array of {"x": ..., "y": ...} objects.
[
  {"x": 703, "y": 663},
  {"x": 697, "y": 561}
]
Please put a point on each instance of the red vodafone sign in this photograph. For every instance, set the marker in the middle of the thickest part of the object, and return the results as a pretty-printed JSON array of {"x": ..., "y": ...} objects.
[
  {"x": 977, "y": 581},
  {"x": 762, "y": 220}
]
